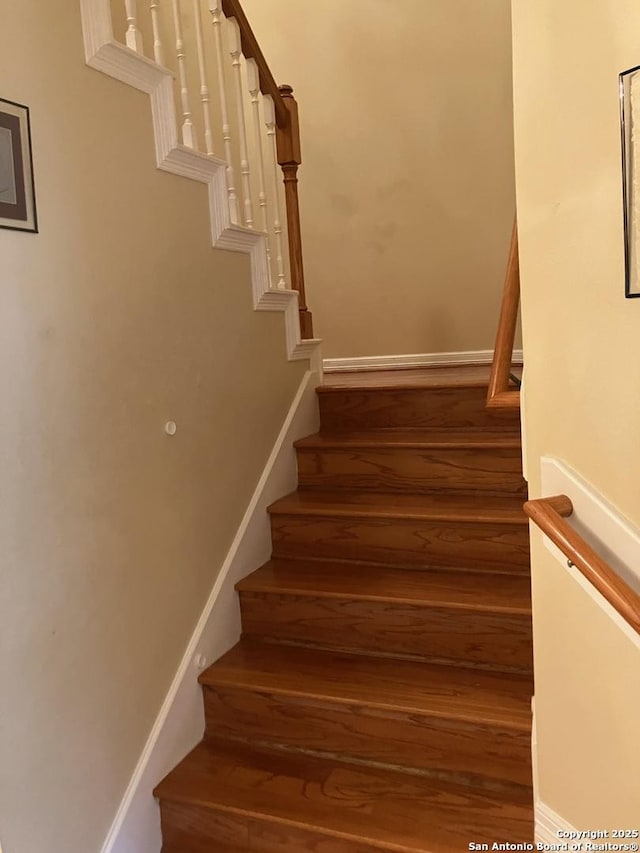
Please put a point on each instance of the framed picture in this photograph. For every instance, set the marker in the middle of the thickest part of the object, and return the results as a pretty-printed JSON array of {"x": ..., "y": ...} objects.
[
  {"x": 630, "y": 139},
  {"x": 17, "y": 190}
]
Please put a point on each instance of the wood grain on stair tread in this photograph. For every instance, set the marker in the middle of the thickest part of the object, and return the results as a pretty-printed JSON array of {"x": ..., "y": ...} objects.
[
  {"x": 413, "y": 543},
  {"x": 473, "y": 753},
  {"x": 405, "y": 408},
  {"x": 445, "y": 508},
  {"x": 464, "y": 376},
  {"x": 477, "y": 591},
  {"x": 416, "y": 439},
  {"x": 386, "y": 809},
  {"x": 417, "y": 470},
  {"x": 211, "y": 832},
  {"x": 214, "y": 828},
  {"x": 461, "y": 637},
  {"x": 471, "y": 695}
]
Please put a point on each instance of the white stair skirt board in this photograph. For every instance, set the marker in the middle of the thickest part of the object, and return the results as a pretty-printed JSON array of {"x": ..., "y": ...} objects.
[
  {"x": 105, "y": 54},
  {"x": 425, "y": 359},
  {"x": 180, "y": 723},
  {"x": 550, "y": 827}
]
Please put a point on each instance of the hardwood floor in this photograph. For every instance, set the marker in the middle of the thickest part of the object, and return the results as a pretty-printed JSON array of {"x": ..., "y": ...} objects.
[{"x": 379, "y": 698}]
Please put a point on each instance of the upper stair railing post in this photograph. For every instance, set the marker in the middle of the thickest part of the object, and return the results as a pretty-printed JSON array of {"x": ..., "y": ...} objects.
[{"x": 290, "y": 158}]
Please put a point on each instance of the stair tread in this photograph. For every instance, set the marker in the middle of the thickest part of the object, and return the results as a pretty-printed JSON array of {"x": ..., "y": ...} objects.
[
  {"x": 427, "y": 507},
  {"x": 433, "y": 587},
  {"x": 459, "y": 376},
  {"x": 422, "y": 439},
  {"x": 398, "y": 685},
  {"x": 387, "y": 808}
]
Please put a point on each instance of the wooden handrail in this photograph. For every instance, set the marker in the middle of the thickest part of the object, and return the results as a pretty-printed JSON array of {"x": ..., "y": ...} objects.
[
  {"x": 550, "y": 514},
  {"x": 289, "y": 153},
  {"x": 500, "y": 395}
]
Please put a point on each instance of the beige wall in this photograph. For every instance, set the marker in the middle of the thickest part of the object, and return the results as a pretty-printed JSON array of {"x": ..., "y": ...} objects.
[
  {"x": 407, "y": 184},
  {"x": 581, "y": 346},
  {"x": 117, "y": 317}
]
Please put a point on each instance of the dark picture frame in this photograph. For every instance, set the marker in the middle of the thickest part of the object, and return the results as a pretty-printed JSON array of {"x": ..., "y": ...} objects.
[
  {"x": 630, "y": 210},
  {"x": 17, "y": 185}
]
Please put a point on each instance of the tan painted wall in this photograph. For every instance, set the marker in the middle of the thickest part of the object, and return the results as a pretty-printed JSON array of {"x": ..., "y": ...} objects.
[
  {"x": 117, "y": 317},
  {"x": 581, "y": 344},
  {"x": 407, "y": 185}
]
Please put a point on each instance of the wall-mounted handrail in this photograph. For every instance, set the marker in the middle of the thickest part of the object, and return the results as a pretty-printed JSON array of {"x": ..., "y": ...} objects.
[
  {"x": 500, "y": 394},
  {"x": 550, "y": 514}
]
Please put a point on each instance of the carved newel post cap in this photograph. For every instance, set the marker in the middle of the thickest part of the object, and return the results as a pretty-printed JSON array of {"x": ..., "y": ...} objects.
[{"x": 285, "y": 90}]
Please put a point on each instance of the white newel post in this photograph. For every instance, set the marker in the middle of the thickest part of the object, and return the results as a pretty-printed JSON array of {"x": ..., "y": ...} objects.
[
  {"x": 204, "y": 89},
  {"x": 158, "y": 51},
  {"x": 245, "y": 176},
  {"x": 270, "y": 121},
  {"x": 253, "y": 78},
  {"x": 188, "y": 131},
  {"x": 133, "y": 37},
  {"x": 215, "y": 7}
]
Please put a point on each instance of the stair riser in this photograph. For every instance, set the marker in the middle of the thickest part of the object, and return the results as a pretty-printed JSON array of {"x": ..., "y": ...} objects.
[
  {"x": 227, "y": 830},
  {"x": 460, "y": 471},
  {"x": 433, "y": 408},
  {"x": 496, "y": 640},
  {"x": 447, "y": 747},
  {"x": 403, "y": 542}
]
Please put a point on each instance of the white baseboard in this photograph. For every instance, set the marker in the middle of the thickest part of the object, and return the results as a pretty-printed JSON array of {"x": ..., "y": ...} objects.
[
  {"x": 425, "y": 359},
  {"x": 547, "y": 822},
  {"x": 180, "y": 724},
  {"x": 105, "y": 54},
  {"x": 549, "y": 825}
]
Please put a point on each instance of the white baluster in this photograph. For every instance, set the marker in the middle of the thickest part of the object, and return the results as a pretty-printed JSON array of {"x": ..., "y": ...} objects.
[
  {"x": 215, "y": 7},
  {"x": 133, "y": 36},
  {"x": 188, "y": 131},
  {"x": 204, "y": 89},
  {"x": 253, "y": 78},
  {"x": 235, "y": 50},
  {"x": 158, "y": 52},
  {"x": 270, "y": 121}
]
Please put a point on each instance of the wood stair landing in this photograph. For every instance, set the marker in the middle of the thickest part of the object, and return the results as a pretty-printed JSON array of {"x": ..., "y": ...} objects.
[{"x": 379, "y": 699}]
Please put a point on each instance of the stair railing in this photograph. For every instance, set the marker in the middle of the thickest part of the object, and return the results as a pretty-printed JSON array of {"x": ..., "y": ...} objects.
[
  {"x": 550, "y": 514},
  {"x": 229, "y": 106},
  {"x": 502, "y": 394}
]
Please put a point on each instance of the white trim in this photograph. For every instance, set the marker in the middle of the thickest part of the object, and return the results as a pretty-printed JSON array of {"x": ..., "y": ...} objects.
[
  {"x": 104, "y": 54},
  {"x": 549, "y": 825},
  {"x": 180, "y": 724},
  {"x": 425, "y": 359},
  {"x": 547, "y": 822}
]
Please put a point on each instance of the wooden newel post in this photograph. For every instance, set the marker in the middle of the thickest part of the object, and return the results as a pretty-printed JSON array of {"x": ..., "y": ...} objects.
[{"x": 290, "y": 157}]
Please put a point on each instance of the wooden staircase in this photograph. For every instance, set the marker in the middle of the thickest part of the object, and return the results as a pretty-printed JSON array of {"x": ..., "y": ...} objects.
[{"x": 380, "y": 696}]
